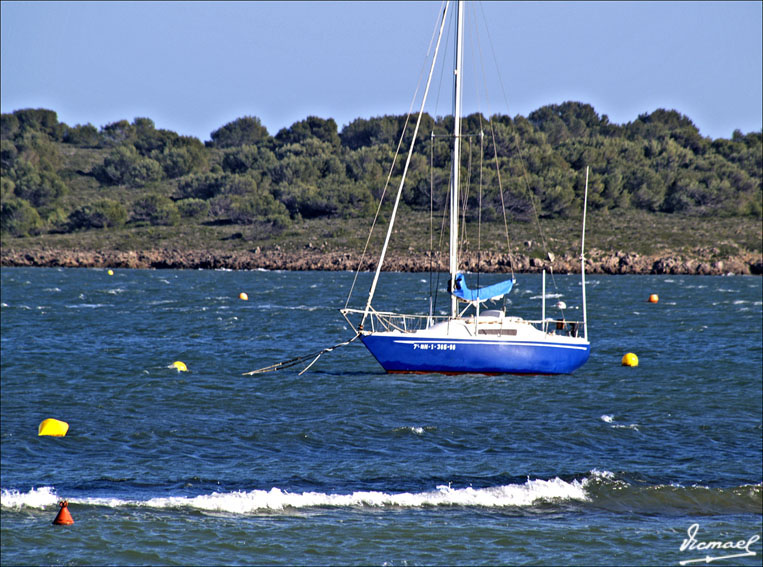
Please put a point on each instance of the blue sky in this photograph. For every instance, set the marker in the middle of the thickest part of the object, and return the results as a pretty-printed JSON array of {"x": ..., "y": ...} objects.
[{"x": 194, "y": 66}]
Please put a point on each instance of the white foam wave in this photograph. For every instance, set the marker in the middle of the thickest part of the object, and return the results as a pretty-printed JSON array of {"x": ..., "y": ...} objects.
[
  {"x": 633, "y": 426},
  {"x": 276, "y": 499},
  {"x": 611, "y": 419},
  {"x": 35, "y": 498},
  {"x": 417, "y": 430},
  {"x": 548, "y": 296},
  {"x": 596, "y": 474},
  {"x": 116, "y": 291},
  {"x": 273, "y": 307},
  {"x": 241, "y": 502}
]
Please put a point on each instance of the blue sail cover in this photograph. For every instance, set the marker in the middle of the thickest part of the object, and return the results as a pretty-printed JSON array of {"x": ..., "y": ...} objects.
[{"x": 494, "y": 291}]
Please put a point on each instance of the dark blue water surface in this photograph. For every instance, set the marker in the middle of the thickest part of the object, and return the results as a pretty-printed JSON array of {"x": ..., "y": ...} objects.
[{"x": 348, "y": 465}]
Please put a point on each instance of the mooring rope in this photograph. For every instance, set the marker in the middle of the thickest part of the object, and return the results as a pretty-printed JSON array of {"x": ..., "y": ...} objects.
[{"x": 299, "y": 359}]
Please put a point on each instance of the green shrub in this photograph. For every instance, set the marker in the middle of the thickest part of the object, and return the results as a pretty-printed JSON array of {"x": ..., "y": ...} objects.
[
  {"x": 193, "y": 208},
  {"x": 156, "y": 209},
  {"x": 125, "y": 166},
  {"x": 247, "y": 209},
  {"x": 85, "y": 136},
  {"x": 211, "y": 185},
  {"x": 19, "y": 218},
  {"x": 101, "y": 214},
  {"x": 40, "y": 188}
]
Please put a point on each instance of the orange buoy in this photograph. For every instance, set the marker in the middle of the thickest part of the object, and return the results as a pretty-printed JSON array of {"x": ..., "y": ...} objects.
[
  {"x": 243, "y": 296},
  {"x": 654, "y": 298},
  {"x": 64, "y": 518}
]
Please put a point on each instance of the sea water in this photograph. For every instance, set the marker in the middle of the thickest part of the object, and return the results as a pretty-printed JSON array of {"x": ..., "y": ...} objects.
[{"x": 344, "y": 464}]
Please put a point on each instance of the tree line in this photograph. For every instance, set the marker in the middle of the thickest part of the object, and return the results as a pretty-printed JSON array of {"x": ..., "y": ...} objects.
[{"x": 57, "y": 178}]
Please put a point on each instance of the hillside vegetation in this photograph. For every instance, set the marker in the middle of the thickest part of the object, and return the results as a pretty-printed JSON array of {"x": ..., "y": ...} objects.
[{"x": 654, "y": 182}]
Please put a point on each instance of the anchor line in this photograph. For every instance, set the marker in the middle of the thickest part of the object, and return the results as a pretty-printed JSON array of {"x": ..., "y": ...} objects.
[{"x": 299, "y": 359}]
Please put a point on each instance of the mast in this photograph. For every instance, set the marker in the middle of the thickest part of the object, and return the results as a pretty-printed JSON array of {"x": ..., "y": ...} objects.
[
  {"x": 582, "y": 255},
  {"x": 456, "y": 154}
]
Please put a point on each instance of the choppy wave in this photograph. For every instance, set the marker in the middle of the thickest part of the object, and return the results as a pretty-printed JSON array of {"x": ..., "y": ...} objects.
[
  {"x": 614, "y": 425},
  {"x": 415, "y": 429},
  {"x": 245, "y": 502},
  {"x": 598, "y": 489},
  {"x": 36, "y": 498},
  {"x": 617, "y": 495},
  {"x": 548, "y": 296}
]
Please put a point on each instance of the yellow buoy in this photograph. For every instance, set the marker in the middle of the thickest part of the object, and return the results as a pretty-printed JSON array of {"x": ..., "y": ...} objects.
[
  {"x": 110, "y": 272},
  {"x": 630, "y": 359},
  {"x": 654, "y": 298},
  {"x": 53, "y": 427},
  {"x": 243, "y": 296},
  {"x": 181, "y": 367}
]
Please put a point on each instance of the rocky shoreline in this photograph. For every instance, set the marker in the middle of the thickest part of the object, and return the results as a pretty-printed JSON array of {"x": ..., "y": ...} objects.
[{"x": 597, "y": 262}]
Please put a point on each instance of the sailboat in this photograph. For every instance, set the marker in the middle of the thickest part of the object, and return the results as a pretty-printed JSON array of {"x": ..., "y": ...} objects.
[{"x": 470, "y": 339}]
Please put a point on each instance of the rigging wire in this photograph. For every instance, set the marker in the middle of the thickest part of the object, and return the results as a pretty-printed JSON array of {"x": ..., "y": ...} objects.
[
  {"x": 431, "y": 222},
  {"x": 395, "y": 157},
  {"x": 477, "y": 53},
  {"x": 399, "y": 194},
  {"x": 479, "y": 207},
  {"x": 464, "y": 204},
  {"x": 522, "y": 161},
  {"x": 463, "y": 240},
  {"x": 434, "y": 256},
  {"x": 490, "y": 124}
]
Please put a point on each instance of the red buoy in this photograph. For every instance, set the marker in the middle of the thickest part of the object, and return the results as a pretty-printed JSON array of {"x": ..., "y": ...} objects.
[{"x": 64, "y": 518}]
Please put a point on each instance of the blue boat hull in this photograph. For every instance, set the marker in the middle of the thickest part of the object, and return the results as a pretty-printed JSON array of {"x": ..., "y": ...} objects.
[{"x": 459, "y": 356}]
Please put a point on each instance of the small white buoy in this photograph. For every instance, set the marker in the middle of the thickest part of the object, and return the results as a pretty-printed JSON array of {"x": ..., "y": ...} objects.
[{"x": 561, "y": 305}]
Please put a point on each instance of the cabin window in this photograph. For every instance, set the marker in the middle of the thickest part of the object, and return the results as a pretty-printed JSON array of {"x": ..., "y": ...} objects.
[{"x": 500, "y": 332}]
